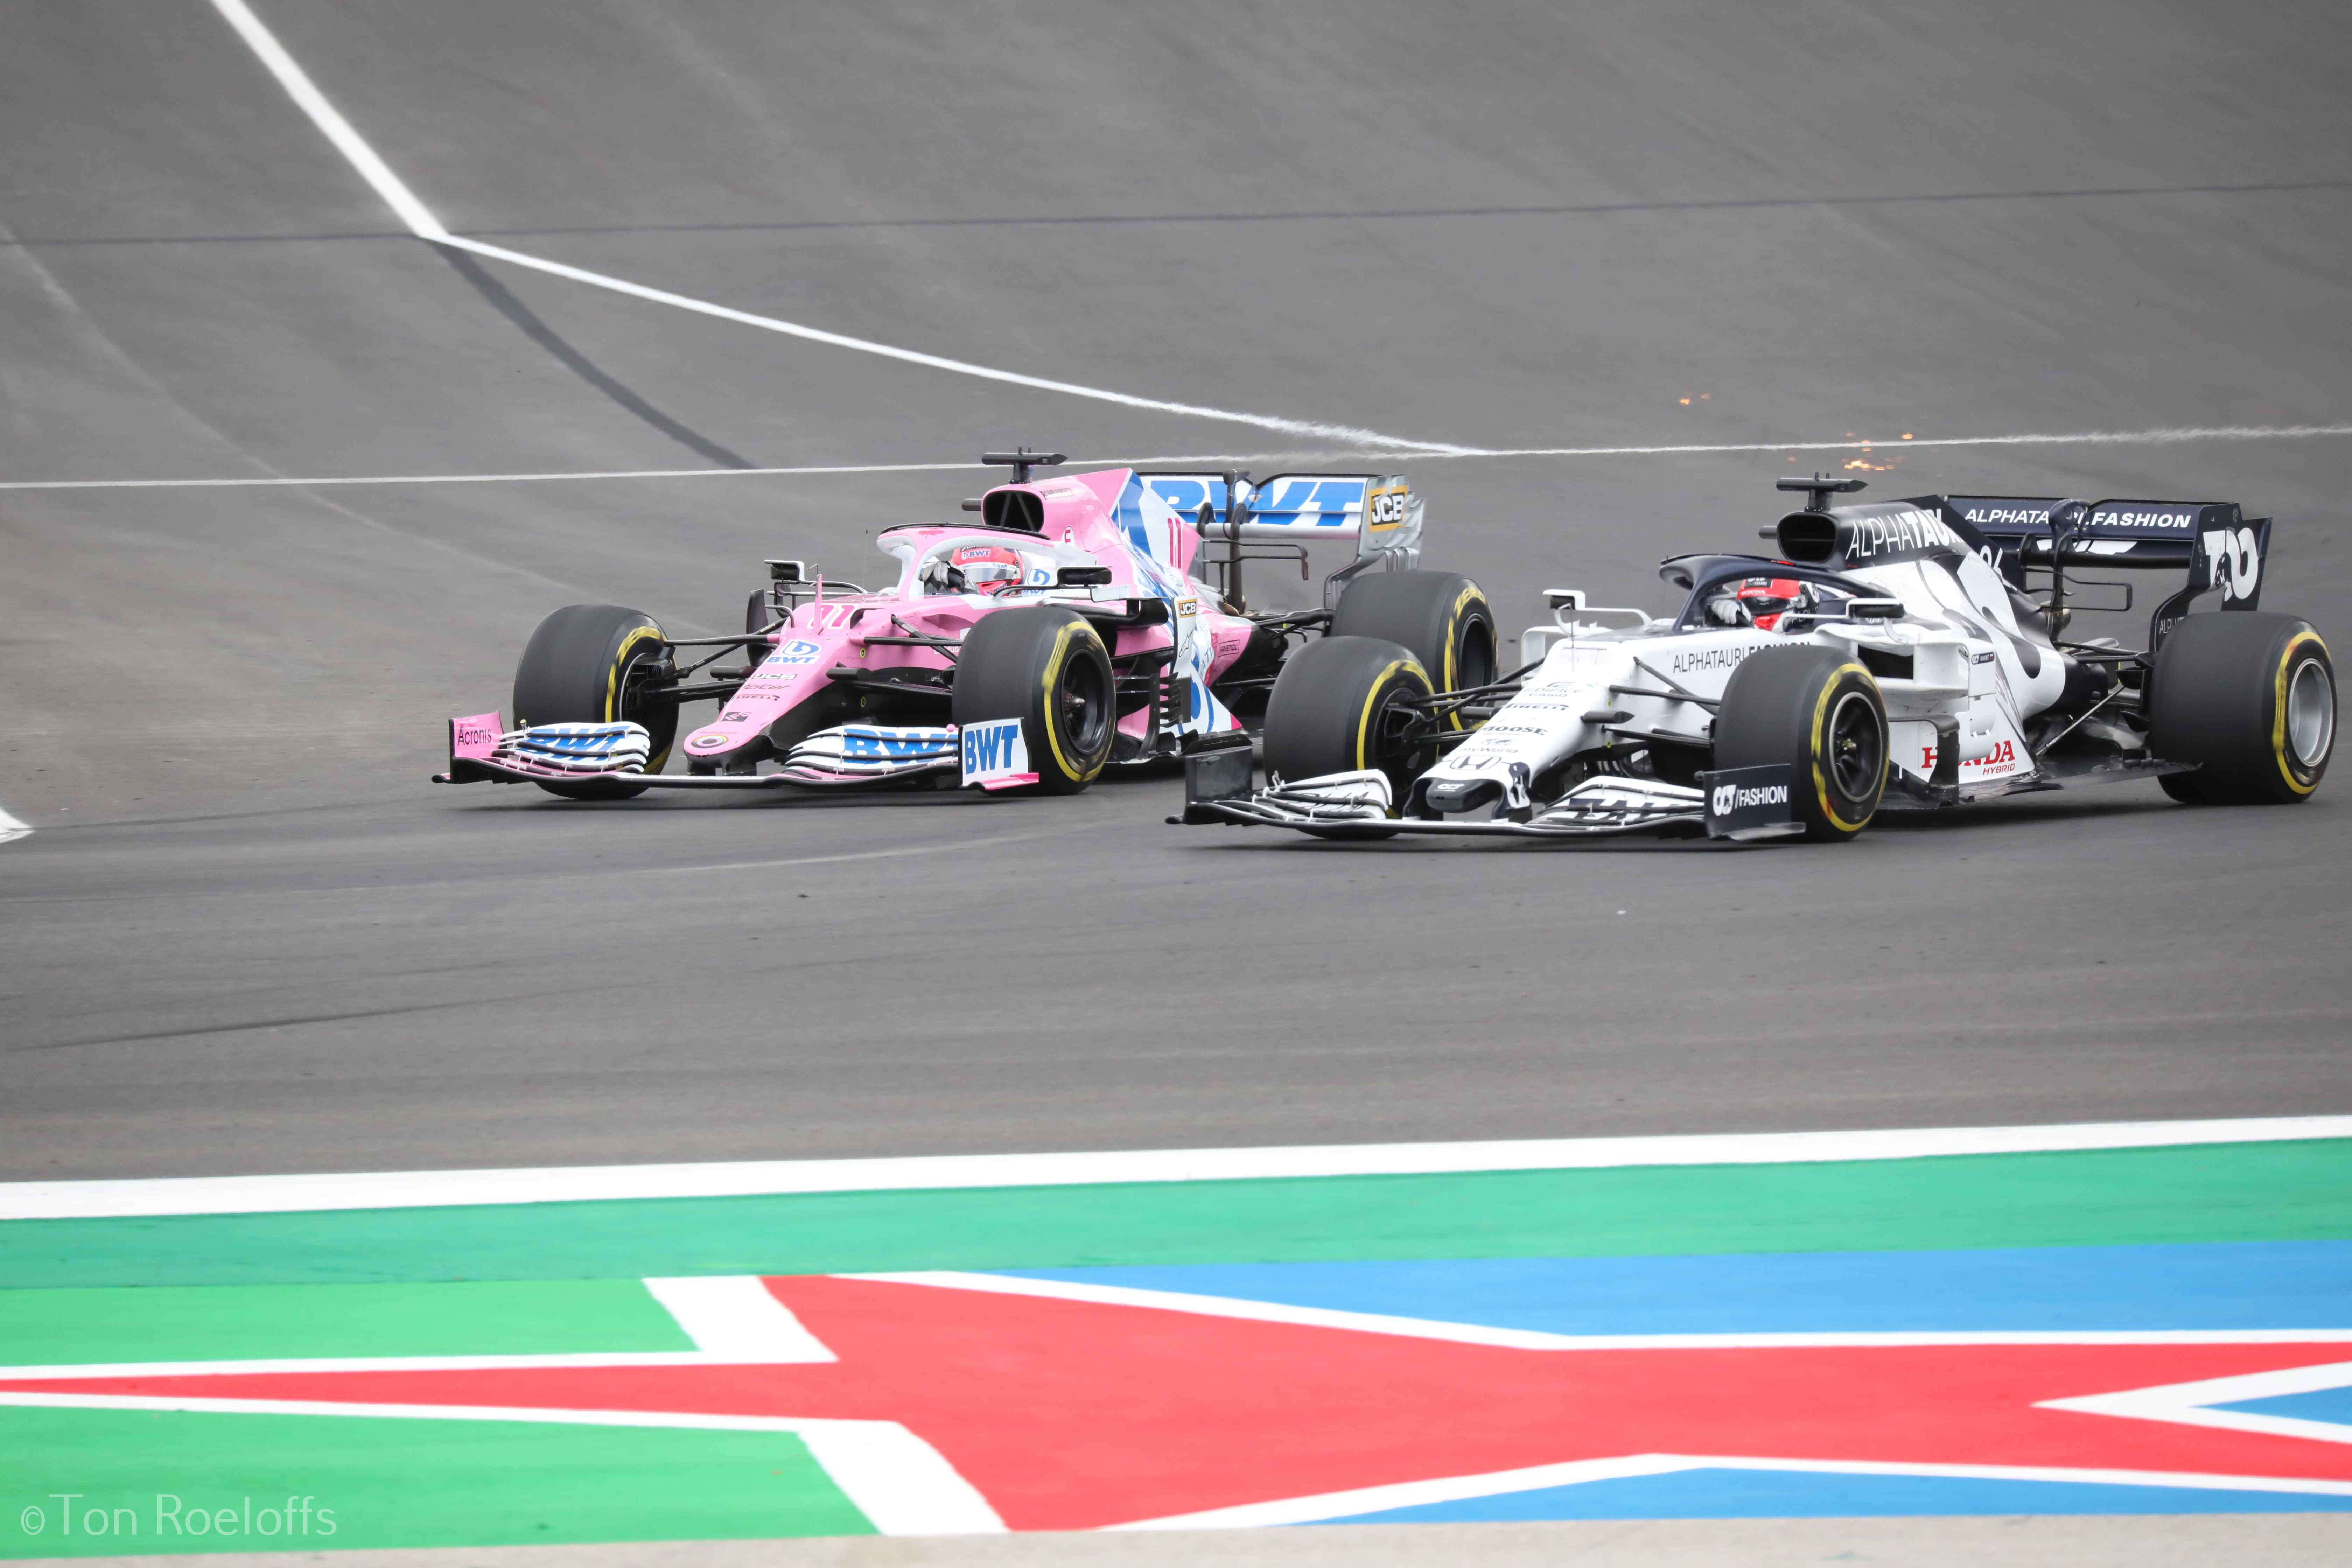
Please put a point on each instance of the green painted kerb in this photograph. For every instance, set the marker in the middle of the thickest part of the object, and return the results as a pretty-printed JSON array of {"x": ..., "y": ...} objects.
[
  {"x": 145, "y": 1477},
  {"x": 276, "y": 1322},
  {"x": 2235, "y": 1192}
]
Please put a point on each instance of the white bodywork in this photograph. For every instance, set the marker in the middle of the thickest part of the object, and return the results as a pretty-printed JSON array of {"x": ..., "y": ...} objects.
[{"x": 1958, "y": 630}]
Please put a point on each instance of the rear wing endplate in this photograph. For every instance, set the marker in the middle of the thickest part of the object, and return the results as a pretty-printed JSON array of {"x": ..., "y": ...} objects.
[{"x": 2219, "y": 549}]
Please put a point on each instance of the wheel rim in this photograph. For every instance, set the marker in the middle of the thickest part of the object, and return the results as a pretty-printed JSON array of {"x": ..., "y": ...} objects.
[
  {"x": 1857, "y": 747},
  {"x": 632, "y": 704},
  {"x": 1474, "y": 663},
  {"x": 1082, "y": 705},
  {"x": 2311, "y": 714},
  {"x": 1393, "y": 747}
]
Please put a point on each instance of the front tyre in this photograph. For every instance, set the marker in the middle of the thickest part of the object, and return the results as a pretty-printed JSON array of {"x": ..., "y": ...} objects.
[
  {"x": 1442, "y": 618},
  {"x": 1046, "y": 666},
  {"x": 1346, "y": 705},
  {"x": 1819, "y": 711},
  {"x": 2251, "y": 698},
  {"x": 588, "y": 664}
]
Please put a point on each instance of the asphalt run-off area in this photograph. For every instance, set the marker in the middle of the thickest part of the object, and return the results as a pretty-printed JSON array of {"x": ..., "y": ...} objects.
[{"x": 439, "y": 1177}]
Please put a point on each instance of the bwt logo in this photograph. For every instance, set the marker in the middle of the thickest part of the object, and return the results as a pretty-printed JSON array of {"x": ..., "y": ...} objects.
[
  {"x": 800, "y": 650},
  {"x": 993, "y": 747},
  {"x": 890, "y": 747},
  {"x": 575, "y": 742}
]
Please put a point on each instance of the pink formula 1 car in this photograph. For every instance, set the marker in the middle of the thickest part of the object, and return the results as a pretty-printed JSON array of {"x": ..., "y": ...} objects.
[{"x": 1064, "y": 633}]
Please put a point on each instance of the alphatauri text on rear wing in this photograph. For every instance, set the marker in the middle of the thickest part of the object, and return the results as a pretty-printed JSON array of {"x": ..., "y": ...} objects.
[{"x": 2221, "y": 550}]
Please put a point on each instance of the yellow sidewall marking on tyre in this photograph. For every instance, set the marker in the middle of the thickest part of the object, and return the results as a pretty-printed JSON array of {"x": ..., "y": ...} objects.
[
  {"x": 1373, "y": 704},
  {"x": 2287, "y": 662},
  {"x": 1821, "y": 719},
  {"x": 1469, "y": 596},
  {"x": 1052, "y": 673}
]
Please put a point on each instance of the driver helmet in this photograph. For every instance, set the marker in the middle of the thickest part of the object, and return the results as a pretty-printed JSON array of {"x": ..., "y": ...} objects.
[
  {"x": 1758, "y": 601},
  {"x": 988, "y": 568}
]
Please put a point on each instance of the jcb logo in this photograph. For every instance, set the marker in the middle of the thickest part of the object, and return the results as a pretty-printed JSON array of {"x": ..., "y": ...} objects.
[
  {"x": 1386, "y": 508},
  {"x": 2234, "y": 563}
]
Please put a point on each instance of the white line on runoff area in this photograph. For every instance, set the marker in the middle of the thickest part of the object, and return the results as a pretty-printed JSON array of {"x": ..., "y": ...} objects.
[
  {"x": 12, "y": 830},
  {"x": 439, "y": 1189},
  {"x": 424, "y": 226},
  {"x": 2170, "y": 435},
  {"x": 422, "y": 222}
]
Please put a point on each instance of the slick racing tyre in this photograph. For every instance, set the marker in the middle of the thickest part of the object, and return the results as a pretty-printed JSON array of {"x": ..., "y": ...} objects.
[
  {"x": 2251, "y": 698},
  {"x": 1819, "y": 711},
  {"x": 1046, "y": 666},
  {"x": 1343, "y": 705},
  {"x": 587, "y": 664},
  {"x": 1442, "y": 618},
  {"x": 756, "y": 617}
]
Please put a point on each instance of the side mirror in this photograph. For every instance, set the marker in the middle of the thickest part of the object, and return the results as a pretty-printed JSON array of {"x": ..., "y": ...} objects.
[
  {"x": 1082, "y": 577},
  {"x": 787, "y": 571},
  {"x": 1875, "y": 609},
  {"x": 1558, "y": 599}
]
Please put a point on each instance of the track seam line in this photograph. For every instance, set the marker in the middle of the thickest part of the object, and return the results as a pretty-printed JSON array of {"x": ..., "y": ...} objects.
[{"x": 422, "y": 222}]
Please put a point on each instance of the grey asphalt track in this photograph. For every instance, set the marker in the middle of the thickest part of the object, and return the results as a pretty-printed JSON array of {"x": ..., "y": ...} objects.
[{"x": 248, "y": 936}]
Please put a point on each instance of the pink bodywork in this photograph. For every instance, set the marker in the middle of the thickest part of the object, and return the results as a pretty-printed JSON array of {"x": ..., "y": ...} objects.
[{"x": 1079, "y": 519}]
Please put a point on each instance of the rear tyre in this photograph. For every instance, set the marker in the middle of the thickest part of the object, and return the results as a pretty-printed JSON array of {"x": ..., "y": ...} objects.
[
  {"x": 2251, "y": 698},
  {"x": 1344, "y": 705},
  {"x": 756, "y": 616},
  {"x": 1046, "y": 666},
  {"x": 1443, "y": 618},
  {"x": 1819, "y": 711},
  {"x": 587, "y": 664}
]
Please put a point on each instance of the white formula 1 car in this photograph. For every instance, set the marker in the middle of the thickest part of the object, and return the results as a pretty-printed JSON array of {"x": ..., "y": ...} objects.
[{"x": 1907, "y": 654}]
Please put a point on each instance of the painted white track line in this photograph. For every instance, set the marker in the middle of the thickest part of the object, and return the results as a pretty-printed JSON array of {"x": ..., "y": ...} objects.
[
  {"x": 474, "y": 478},
  {"x": 425, "y": 225},
  {"x": 11, "y": 829},
  {"x": 2166, "y": 436},
  {"x": 422, "y": 223},
  {"x": 2170, "y": 435},
  {"x": 438, "y": 1189}
]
